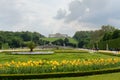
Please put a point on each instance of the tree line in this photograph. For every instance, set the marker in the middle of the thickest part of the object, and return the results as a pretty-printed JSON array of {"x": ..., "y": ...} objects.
[
  {"x": 106, "y": 35},
  {"x": 9, "y": 39},
  {"x": 98, "y": 38}
]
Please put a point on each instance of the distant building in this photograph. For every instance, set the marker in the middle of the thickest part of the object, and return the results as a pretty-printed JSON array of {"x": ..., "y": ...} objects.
[{"x": 58, "y": 35}]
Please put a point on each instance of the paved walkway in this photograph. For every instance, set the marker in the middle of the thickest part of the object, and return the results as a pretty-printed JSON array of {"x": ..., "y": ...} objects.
[
  {"x": 106, "y": 51},
  {"x": 14, "y": 50}
]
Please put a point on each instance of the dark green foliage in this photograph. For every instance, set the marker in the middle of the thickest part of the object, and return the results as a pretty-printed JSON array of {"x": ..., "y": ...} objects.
[
  {"x": 81, "y": 44},
  {"x": 31, "y": 45},
  {"x": 83, "y": 38},
  {"x": 116, "y": 34},
  {"x": 17, "y": 39},
  {"x": 112, "y": 44},
  {"x": 66, "y": 41},
  {"x": 111, "y": 35},
  {"x": 63, "y": 42},
  {"x": 57, "y": 75},
  {"x": 110, "y": 40},
  {"x": 107, "y": 36},
  {"x": 16, "y": 42},
  {"x": 43, "y": 42},
  {"x": 91, "y": 39},
  {"x": 59, "y": 42},
  {"x": 82, "y": 35},
  {"x": 87, "y": 39},
  {"x": 105, "y": 32}
]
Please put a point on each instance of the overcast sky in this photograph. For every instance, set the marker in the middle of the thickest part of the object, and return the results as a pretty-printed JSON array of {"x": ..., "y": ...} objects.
[{"x": 52, "y": 16}]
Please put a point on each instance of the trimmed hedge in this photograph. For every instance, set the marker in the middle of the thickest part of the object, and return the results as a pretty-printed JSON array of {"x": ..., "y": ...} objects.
[
  {"x": 114, "y": 43},
  {"x": 57, "y": 75}
]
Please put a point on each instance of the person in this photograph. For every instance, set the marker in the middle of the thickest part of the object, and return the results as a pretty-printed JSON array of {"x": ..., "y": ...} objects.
[{"x": 117, "y": 50}]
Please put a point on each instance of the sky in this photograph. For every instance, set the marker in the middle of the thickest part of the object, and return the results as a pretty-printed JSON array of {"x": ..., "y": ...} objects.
[{"x": 58, "y": 16}]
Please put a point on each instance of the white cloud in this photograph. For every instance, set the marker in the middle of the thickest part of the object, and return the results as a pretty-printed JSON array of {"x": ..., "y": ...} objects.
[
  {"x": 89, "y": 14},
  {"x": 60, "y": 14},
  {"x": 87, "y": 10},
  {"x": 73, "y": 15},
  {"x": 37, "y": 15}
]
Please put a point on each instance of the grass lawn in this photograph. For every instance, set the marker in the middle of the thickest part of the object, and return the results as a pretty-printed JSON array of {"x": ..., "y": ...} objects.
[
  {"x": 4, "y": 57},
  {"x": 112, "y": 76}
]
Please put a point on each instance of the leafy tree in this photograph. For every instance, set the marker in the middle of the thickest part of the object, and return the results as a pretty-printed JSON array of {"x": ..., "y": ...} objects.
[
  {"x": 17, "y": 39},
  {"x": 102, "y": 34},
  {"x": 16, "y": 42},
  {"x": 116, "y": 34},
  {"x": 108, "y": 28},
  {"x": 83, "y": 37},
  {"x": 58, "y": 42},
  {"x": 107, "y": 36},
  {"x": 81, "y": 44},
  {"x": 89, "y": 38},
  {"x": 66, "y": 41},
  {"x": 31, "y": 45}
]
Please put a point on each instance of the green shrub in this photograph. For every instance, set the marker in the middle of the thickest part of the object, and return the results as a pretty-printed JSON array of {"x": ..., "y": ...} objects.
[
  {"x": 57, "y": 75},
  {"x": 115, "y": 43}
]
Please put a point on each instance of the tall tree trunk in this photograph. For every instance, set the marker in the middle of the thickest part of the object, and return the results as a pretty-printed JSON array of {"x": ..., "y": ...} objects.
[{"x": 31, "y": 50}]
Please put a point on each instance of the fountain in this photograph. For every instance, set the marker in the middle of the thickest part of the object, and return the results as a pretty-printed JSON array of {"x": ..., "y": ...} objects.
[{"x": 41, "y": 52}]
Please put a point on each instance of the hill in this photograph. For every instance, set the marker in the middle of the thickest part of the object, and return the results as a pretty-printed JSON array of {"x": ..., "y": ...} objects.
[{"x": 71, "y": 40}]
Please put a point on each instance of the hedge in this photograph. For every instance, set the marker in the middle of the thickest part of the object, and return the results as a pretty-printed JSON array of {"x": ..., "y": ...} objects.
[
  {"x": 114, "y": 43},
  {"x": 57, "y": 75}
]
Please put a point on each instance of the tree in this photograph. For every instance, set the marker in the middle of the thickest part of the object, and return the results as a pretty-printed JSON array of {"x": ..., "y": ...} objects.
[
  {"x": 58, "y": 42},
  {"x": 116, "y": 34},
  {"x": 66, "y": 41},
  {"x": 108, "y": 28},
  {"x": 102, "y": 34},
  {"x": 16, "y": 42},
  {"x": 17, "y": 39},
  {"x": 81, "y": 44},
  {"x": 83, "y": 37},
  {"x": 31, "y": 45},
  {"x": 107, "y": 36}
]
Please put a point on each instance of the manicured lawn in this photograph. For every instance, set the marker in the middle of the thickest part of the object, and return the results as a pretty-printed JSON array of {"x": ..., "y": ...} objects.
[
  {"x": 112, "y": 76},
  {"x": 57, "y": 62},
  {"x": 57, "y": 56}
]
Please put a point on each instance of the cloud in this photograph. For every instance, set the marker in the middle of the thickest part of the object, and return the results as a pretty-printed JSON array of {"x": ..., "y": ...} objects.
[
  {"x": 97, "y": 12},
  {"x": 20, "y": 15},
  {"x": 31, "y": 15},
  {"x": 72, "y": 15},
  {"x": 60, "y": 14},
  {"x": 9, "y": 14},
  {"x": 85, "y": 10}
]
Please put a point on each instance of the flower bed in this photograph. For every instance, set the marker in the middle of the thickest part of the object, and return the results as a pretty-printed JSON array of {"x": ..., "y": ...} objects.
[{"x": 44, "y": 66}]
